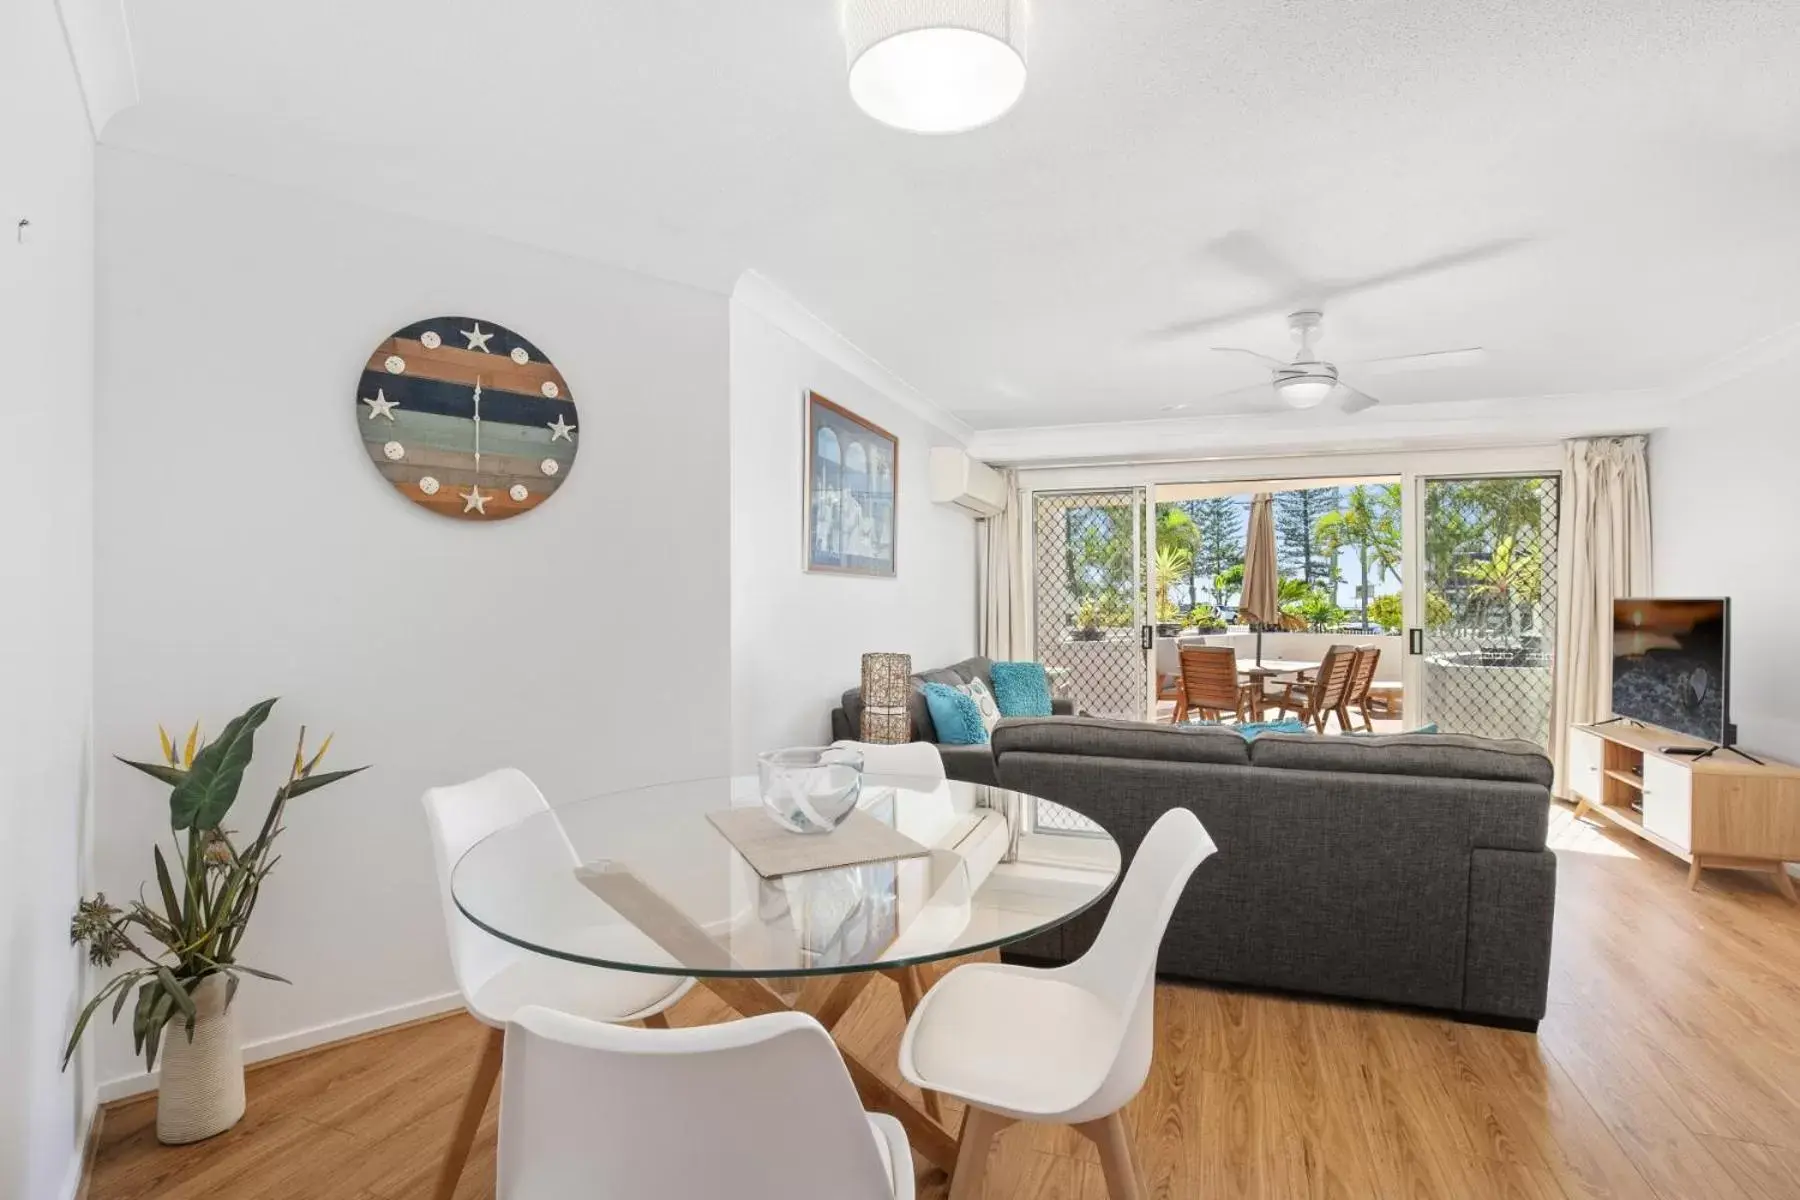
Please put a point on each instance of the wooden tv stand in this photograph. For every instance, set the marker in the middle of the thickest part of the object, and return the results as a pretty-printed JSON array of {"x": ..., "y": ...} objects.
[{"x": 1718, "y": 811}]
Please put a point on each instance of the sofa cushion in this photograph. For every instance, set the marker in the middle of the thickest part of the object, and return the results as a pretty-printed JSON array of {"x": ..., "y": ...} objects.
[
  {"x": 955, "y": 714},
  {"x": 970, "y": 764},
  {"x": 1094, "y": 737},
  {"x": 1439, "y": 755},
  {"x": 1022, "y": 689}
]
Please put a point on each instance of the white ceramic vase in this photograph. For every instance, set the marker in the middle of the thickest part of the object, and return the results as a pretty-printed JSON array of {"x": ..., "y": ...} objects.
[{"x": 202, "y": 1088}]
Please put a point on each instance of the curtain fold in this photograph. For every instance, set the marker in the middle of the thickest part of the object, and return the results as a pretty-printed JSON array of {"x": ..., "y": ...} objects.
[
  {"x": 1001, "y": 580},
  {"x": 1604, "y": 547}
]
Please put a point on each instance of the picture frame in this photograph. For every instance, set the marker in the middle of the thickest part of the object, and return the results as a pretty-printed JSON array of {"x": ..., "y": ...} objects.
[{"x": 849, "y": 514}]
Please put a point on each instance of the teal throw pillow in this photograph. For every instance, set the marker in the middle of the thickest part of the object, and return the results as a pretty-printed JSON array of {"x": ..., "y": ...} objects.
[
  {"x": 1022, "y": 689},
  {"x": 956, "y": 715},
  {"x": 1254, "y": 729}
]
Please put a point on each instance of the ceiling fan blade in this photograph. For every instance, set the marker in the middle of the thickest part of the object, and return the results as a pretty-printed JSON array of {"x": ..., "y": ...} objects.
[
  {"x": 1280, "y": 306},
  {"x": 1276, "y": 363},
  {"x": 1353, "y": 401},
  {"x": 1430, "y": 360},
  {"x": 1467, "y": 256},
  {"x": 1248, "y": 254}
]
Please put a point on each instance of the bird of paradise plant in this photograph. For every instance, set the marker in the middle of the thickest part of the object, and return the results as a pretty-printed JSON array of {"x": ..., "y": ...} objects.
[{"x": 205, "y": 904}]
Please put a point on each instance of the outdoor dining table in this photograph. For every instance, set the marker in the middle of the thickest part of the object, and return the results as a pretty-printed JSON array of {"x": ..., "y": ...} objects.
[{"x": 642, "y": 880}]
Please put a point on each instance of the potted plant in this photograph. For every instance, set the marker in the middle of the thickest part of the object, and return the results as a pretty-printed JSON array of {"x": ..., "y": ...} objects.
[
  {"x": 1205, "y": 619},
  {"x": 186, "y": 985},
  {"x": 1087, "y": 621}
]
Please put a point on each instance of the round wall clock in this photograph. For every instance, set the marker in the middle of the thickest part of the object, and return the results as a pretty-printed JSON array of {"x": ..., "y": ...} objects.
[{"x": 466, "y": 418}]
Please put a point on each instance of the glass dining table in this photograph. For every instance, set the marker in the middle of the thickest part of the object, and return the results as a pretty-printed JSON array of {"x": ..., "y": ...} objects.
[{"x": 643, "y": 881}]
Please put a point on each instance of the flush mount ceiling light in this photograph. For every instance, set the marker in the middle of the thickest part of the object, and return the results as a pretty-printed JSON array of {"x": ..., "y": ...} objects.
[{"x": 935, "y": 66}]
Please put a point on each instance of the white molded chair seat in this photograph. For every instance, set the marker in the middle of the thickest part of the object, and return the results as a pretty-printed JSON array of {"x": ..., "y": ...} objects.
[
  {"x": 1071, "y": 1045},
  {"x": 592, "y": 992},
  {"x": 757, "y": 1109},
  {"x": 1014, "y": 1040}
]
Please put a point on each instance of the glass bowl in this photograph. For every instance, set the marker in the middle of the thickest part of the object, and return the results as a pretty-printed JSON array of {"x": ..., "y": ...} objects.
[{"x": 810, "y": 789}]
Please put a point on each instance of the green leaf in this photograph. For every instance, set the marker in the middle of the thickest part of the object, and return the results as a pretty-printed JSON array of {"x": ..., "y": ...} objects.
[
  {"x": 162, "y": 771},
  {"x": 140, "y": 1016},
  {"x": 171, "y": 902},
  {"x": 121, "y": 986},
  {"x": 231, "y": 987},
  {"x": 313, "y": 782},
  {"x": 159, "y": 1017},
  {"x": 177, "y": 993},
  {"x": 269, "y": 975},
  {"x": 206, "y": 794}
]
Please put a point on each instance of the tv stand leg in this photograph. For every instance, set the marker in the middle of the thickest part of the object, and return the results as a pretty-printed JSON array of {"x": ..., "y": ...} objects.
[
  {"x": 1784, "y": 883},
  {"x": 1581, "y": 807},
  {"x": 1694, "y": 869}
]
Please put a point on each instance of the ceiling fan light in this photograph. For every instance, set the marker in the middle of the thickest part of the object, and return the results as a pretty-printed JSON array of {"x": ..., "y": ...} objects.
[
  {"x": 1304, "y": 391},
  {"x": 935, "y": 66}
]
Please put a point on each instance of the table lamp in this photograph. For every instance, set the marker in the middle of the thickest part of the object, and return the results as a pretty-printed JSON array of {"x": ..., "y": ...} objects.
[{"x": 886, "y": 687}]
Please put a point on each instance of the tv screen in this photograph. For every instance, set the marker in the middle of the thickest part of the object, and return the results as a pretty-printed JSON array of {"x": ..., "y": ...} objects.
[{"x": 1670, "y": 664}]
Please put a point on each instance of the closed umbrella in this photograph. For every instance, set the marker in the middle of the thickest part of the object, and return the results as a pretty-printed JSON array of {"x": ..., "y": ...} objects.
[{"x": 1261, "y": 601}]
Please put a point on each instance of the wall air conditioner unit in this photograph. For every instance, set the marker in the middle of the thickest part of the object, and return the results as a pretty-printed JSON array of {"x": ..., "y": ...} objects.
[{"x": 972, "y": 486}]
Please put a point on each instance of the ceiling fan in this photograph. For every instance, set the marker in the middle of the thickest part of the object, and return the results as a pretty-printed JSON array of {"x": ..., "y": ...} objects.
[{"x": 1307, "y": 381}]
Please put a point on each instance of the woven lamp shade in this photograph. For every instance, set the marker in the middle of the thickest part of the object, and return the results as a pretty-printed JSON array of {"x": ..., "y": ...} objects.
[{"x": 886, "y": 687}]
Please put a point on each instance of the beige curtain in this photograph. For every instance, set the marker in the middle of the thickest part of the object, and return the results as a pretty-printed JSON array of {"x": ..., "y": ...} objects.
[
  {"x": 998, "y": 551},
  {"x": 1603, "y": 545}
]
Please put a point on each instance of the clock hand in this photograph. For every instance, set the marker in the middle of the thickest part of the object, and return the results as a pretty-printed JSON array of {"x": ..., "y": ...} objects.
[{"x": 478, "y": 424}]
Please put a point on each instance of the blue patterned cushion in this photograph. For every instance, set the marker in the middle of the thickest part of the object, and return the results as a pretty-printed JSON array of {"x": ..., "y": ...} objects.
[
  {"x": 1252, "y": 729},
  {"x": 1022, "y": 689},
  {"x": 955, "y": 714}
]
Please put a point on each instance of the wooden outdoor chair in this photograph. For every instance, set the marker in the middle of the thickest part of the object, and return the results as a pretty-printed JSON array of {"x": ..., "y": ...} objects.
[
  {"x": 1211, "y": 686},
  {"x": 1362, "y": 675},
  {"x": 1328, "y": 692}
]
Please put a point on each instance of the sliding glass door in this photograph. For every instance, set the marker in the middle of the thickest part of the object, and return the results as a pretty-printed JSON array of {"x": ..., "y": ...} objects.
[{"x": 1484, "y": 617}]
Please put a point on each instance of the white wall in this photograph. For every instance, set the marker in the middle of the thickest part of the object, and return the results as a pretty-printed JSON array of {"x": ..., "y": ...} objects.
[
  {"x": 246, "y": 548},
  {"x": 797, "y": 639},
  {"x": 46, "y": 569},
  {"x": 1722, "y": 506}
]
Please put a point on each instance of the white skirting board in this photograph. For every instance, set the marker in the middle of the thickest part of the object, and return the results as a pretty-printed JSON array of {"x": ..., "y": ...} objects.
[{"x": 304, "y": 1039}]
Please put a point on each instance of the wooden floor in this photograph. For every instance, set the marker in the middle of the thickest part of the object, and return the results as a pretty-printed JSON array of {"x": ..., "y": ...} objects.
[{"x": 1668, "y": 1067}]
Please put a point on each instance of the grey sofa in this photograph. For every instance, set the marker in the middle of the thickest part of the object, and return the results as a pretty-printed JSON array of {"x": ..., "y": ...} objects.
[
  {"x": 972, "y": 764},
  {"x": 1408, "y": 869}
]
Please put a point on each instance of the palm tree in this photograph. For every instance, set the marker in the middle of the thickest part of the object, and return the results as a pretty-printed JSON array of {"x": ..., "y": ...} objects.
[
  {"x": 1368, "y": 523},
  {"x": 1509, "y": 577},
  {"x": 1176, "y": 531},
  {"x": 1228, "y": 583}
]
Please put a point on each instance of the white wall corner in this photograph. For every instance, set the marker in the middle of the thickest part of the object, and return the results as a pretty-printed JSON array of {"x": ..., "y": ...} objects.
[
  {"x": 99, "y": 40},
  {"x": 797, "y": 321}
]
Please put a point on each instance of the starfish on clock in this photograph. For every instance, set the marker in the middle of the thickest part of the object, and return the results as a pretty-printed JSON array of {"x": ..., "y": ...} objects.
[
  {"x": 381, "y": 406},
  {"x": 560, "y": 428},
  {"x": 474, "y": 500},
  {"x": 477, "y": 339}
]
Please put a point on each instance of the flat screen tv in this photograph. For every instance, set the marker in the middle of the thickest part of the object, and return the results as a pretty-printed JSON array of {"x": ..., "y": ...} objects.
[{"x": 1671, "y": 665}]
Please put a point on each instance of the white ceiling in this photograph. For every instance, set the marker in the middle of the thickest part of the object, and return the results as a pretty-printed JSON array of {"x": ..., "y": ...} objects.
[{"x": 1644, "y": 153}]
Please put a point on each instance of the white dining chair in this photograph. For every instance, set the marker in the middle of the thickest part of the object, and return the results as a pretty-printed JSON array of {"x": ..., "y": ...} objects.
[
  {"x": 911, "y": 760},
  {"x": 757, "y": 1109},
  {"x": 496, "y": 978},
  {"x": 1067, "y": 1046}
]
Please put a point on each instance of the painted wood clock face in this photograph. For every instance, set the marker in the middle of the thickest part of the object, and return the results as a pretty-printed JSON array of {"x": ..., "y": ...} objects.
[{"x": 467, "y": 418}]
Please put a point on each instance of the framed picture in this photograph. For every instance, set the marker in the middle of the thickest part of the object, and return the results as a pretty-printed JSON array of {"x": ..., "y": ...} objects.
[{"x": 852, "y": 472}]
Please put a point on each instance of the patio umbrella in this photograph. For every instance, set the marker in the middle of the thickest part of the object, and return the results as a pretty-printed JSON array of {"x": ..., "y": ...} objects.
[{"x": 1261, "y": 600}]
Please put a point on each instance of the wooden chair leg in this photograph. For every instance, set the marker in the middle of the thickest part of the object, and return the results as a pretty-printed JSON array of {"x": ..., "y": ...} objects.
[
  {"x": 657, "y": 1020},
  {"x": 978, "y": 1130},
  {"x": 1111, "y": 1138},
  {"x": 474, "y": 1107}
]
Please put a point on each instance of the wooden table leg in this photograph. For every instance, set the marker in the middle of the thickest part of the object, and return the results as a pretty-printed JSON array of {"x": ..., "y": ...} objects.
[
  {"x": 487, "y": 1070},
  {"x": 828, "y": 998}
]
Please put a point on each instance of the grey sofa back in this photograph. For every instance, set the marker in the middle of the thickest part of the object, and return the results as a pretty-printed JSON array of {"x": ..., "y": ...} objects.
[
  {"x": 923, "y": 729},
  {"x": 1346, "y": 866}
]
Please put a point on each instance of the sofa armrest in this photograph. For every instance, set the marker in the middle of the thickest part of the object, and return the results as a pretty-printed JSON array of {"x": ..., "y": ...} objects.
[
  {"x": 1512, "y": 904},
  {"x": 1062, "y": 706}
]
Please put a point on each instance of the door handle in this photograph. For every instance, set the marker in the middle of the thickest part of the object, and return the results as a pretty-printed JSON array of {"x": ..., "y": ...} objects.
[
  {"x": 1415, "y": 641},
  {"x": 1148, "y": 633}
]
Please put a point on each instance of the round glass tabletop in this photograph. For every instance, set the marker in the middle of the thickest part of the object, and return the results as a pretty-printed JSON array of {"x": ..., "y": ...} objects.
[{"x": 643, "y": 880}]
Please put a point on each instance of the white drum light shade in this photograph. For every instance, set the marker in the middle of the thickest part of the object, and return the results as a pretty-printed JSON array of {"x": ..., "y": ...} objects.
[
  {"x": 935, "y": 66},
  {"x": 1305, "y": 391}
]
